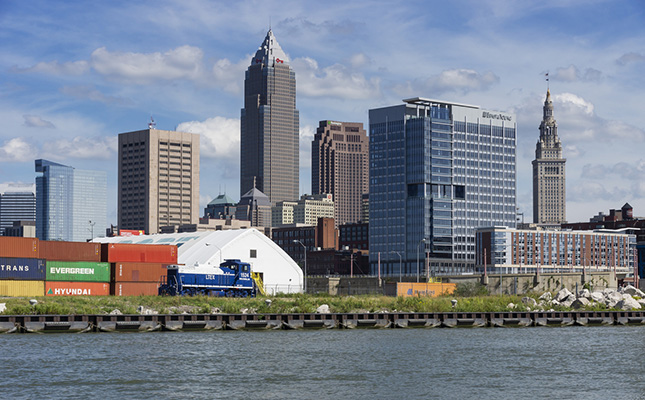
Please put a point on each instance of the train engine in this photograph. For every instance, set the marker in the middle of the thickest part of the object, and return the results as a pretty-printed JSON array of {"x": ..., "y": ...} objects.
[{"x": 231, "y": 279}]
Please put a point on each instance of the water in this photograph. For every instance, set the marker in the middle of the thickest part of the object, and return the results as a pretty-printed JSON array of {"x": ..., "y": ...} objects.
[{"x": 490, "y": 363}]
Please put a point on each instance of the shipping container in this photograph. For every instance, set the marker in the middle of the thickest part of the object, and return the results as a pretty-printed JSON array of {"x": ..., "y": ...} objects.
[
  {"x": 134, "y": 289},
  {"x": 19, "y": 247},
  {"x": 77, "y": 271},
  {"x": 70, "y": 251},
  {"x": 145, "y": 253},
  {"x": 422, "y": 289},
  {"x": 32, "y": 269},
  {"x": 138, "y": 272},
  {"x": 76, "y": 289},
  {"x": 22, "y": 288}
]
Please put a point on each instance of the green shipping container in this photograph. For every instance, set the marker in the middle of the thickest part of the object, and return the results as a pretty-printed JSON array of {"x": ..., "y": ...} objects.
[{"x": 77, "y": 271}]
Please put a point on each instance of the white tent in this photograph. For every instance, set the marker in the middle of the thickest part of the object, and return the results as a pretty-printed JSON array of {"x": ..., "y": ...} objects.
[{"x": 208, "y": 249}]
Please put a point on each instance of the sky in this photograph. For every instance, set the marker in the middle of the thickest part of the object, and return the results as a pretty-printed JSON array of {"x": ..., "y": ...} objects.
[{"x": 75, "y": 74}]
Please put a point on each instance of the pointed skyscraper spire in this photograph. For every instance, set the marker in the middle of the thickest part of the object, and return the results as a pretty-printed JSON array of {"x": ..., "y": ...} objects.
[{"x": 270, "y": 52}]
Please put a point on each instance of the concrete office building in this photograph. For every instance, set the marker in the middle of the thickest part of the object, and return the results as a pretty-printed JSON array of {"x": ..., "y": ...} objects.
[
  {"x": 438, "y": 171},
  {"x": 306, "y": 211},
  {"x": 158, "y": 179},
  {"x": 16, "y": 206},
  {"x": 549, "y": 190},
  {"x": 70, "y": 203},
  {"x": 339, "y": 166},
  {"x": 269, "y": 150}
]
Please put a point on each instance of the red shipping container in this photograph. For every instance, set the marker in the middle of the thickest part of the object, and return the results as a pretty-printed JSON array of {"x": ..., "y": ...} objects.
[
  {"x": 134, "y": 289},
  {"x": 76, "y": 288},
  {"x": 19, "y": 247},
  {"x": 138, "y": 272},
  {"x": 70, "y": 251},
  {"x": 139, "y": 253}
]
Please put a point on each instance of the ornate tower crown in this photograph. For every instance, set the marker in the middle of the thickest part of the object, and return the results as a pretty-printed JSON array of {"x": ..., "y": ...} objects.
[{"x": 270, "y": 52}]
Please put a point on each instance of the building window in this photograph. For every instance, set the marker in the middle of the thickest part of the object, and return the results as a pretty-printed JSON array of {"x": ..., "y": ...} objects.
[{"x": 254, "y": 253}]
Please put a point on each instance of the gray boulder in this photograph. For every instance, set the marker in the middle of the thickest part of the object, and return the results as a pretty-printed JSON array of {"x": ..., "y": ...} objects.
[
  {"x": 323, "y": 309},
  {"x": 612, "y": 298},
  {"x": 116, "y": 311},
  {"x": 580, "y": 302},
  {"x": 632, "y": 291},
  {"x": 598, "y": 297},
  {"x": 628, "y": 303},
  {"x": 584, "y": 293},
  {"x": 563, "y": 294},
  {"x": 546, "y": 296},
  {"x": 510, "y": 306},
  {"x": 569, "y": 301},
  {"x": 3, "y": 306},
  {"x": 529, "y": 301}
]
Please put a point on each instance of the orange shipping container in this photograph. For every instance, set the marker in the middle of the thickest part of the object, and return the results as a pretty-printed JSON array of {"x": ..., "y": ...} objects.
[
  {"x": 77, "y": 289},
  {"x": 421, "y": 289},
  {"x": 138, "y": 272},
  {"x": 19, "y": 247},
  {"x": 139, "y": 253},
  {"x": 134, "y": 289},
  {"x": 70, "y": 251}
]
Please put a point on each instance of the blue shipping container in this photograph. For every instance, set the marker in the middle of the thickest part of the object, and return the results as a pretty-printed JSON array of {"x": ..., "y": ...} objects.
[{"x": 32, "y": 269}]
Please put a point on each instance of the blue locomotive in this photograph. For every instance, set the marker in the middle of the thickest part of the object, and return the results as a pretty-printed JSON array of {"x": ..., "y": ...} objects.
[{"x": 231, "y": 279}]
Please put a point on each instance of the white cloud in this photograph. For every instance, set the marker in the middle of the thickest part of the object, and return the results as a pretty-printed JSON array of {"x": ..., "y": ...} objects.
[
  {"x": 306, "y": 135},
  {"x": 573, "y": 74},
  {"x": 334, "y": 81},
  {"x": 184, "y": 62},
  {"x": 453, "y": 80},
  {"x": 628, "y": 58},
  {"x": 229, "y": 76},
  {"x": 35, "y": 121},
  {"x": 16, "y": 149},
  {"x": 359, "y": 59},
  {"x": 90, "y": 93},
  {"x": 219, "y": 137},
  {"x": 81, "y": 147},
  {"x": 56, "y": 68}
]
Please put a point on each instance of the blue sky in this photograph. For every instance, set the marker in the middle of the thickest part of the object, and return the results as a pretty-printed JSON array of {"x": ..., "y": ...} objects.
[{"x": 74, "y": 74}]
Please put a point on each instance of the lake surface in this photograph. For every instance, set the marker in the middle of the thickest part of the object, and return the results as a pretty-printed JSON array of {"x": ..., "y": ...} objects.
[{"x": 487, "y": 363}]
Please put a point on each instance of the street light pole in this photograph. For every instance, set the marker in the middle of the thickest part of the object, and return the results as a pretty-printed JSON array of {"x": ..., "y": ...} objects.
[
  {"x": 400, "y": 262},
  {"x": 305, "y": 277},
  {"x": 419, "y": 244}
]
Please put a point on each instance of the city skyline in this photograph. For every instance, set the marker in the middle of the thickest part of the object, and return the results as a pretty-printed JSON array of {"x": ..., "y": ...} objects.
[{"x": 72, "y": 76}]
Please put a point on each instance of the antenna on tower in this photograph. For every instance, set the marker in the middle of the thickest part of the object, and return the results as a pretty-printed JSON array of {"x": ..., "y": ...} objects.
[
  {"x": 547, "y": 80},
  {"x": 152, "y": 124}
]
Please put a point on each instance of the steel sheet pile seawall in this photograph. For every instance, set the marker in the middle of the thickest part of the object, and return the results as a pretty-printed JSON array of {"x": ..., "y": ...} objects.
[
  {"x": 53, "y": 288},
  {"x": 77, "y": 271},
  {"x": 138, "y": 253},
  {"x": 70, "y": 251},
  {"x": 18, "y": 247}
]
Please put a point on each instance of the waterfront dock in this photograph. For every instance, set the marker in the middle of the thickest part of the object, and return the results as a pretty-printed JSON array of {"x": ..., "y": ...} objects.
[{"x": 205, "y": 322}]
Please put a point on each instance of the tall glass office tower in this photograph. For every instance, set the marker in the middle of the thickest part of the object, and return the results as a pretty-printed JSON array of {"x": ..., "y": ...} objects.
[
  {"x": 270, "y": 124},
  {"x": 438, "y": 170},
  {"x": 70, "y": 203}
]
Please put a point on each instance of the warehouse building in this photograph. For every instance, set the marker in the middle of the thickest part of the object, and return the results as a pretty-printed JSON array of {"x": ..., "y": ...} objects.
[{"x": 279, "y": 272}]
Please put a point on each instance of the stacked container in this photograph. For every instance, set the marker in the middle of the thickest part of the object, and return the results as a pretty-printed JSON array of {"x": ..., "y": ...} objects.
[
  {"x": 75, "y": 269},
  {"x": 22, "y": 271},
  {"x": 137, "y": 268}
]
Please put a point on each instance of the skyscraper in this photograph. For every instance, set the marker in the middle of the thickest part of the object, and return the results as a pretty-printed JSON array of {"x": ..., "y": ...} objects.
[
  {"x": 269, "y": 152},
  {"x": 16, "y": 206},
  {"x": 158, "y": 179},
  {"x": 70, "y": 203},
  {"x": 549, "y": 191},
  {"x": 339, "y": 166},
  {"x": 438, "y": 170}
]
